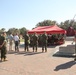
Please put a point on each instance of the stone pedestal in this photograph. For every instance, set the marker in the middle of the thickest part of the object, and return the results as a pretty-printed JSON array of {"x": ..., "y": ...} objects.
[{"x": 65, "y": 51}]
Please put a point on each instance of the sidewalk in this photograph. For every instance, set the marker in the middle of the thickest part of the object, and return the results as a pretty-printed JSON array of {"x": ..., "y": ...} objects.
[{"x": 37, "y": 63}]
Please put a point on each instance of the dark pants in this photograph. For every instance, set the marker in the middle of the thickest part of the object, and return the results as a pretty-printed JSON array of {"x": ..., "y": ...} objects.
[
  {"x": 35, "y": 46},
  {"x": 3, "y": 52},
  {"x": 26, "y": 46},
  {"x": 16, "y": 45},
  {"x": 44, "y": 46}
]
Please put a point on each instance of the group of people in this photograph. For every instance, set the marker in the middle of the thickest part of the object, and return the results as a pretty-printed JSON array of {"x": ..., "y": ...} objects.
[
  {"x": 16, "y": 40},
  {"x": 3, "y": 44},
  {"x": 35, "y": 40}
]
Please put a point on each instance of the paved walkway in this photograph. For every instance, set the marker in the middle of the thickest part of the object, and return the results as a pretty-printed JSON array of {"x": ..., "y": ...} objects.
[{"x": 37, "y": 63}]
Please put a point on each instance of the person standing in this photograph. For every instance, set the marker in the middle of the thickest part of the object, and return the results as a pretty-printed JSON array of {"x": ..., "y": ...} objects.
[
  {"x": 3, "y": 46},
  {"x": 35, "y": 41},
  {"x": 10, "y": 37},
  {"x": 16, "y": 40},
  {"x": 26, "y": 41},
  {"x": 44, "y": 42}
]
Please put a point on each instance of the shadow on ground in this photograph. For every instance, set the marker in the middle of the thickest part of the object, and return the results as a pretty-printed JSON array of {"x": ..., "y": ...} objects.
[
  {"x": 28, "y": 53},
  {"x": 51, "y": 46},
  {"x": 65, "y": 65},
  {"x": 23, "y": 52},
  {"x": 32, "y": 53},
  {"x": 11, "y": 52}
]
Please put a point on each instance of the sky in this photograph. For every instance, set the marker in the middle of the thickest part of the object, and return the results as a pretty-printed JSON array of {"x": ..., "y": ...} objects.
[{"x": 27, "y": 13}]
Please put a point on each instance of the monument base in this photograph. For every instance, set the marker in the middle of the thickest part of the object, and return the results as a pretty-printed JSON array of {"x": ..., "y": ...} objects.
[{"x": 67, "y": 51}]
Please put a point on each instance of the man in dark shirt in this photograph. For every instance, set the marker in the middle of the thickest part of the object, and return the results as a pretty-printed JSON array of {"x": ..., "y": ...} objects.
[
  {"x": 35, "y": 41},
  {"x": 27, "y": 41},
  {"x": 3, "y": 46},
  {"x": 44, "y": 42}
]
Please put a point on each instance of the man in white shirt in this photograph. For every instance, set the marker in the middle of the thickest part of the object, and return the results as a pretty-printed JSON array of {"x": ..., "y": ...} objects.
[{"x": 16, "y": 40}]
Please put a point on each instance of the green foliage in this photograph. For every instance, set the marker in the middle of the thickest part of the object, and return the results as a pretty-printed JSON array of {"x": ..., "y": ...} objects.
[
  {"x": 2, "y": 30},
  {"x": 13, "y": 31},
  {"x": 65, "y": 25},
  {"x": 22, "y": 30},
  {"x": 46, "y": 23}
]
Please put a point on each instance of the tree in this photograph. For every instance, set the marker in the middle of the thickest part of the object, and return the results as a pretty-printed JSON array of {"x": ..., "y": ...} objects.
[
  {"x": 46, "y": 23},
  {"x": 13, "y": 31},
  {"x": 2, "y": 30},
  {"x": 65, "y": 25},
  {"x": 22, "y": 30}
]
